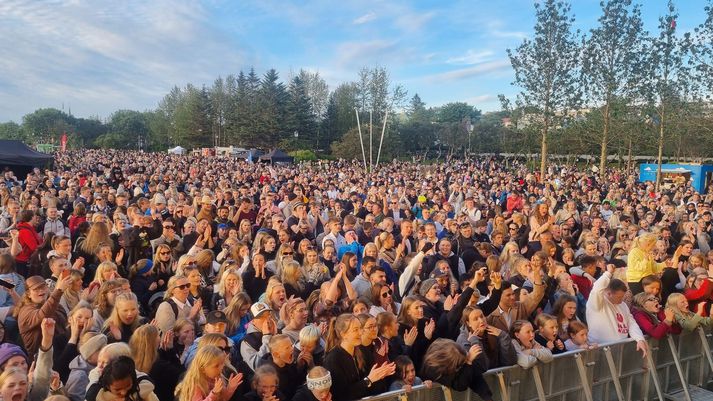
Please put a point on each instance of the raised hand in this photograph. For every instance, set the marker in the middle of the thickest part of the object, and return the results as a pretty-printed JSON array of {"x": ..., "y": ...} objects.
[
  {"x": 429, "y": 329},
  {"x": 234, "y": 382},
  {"x": 410, "y": 336},
  {"x": 473, "y": 352},
  {"x": 218, "y": 387}
]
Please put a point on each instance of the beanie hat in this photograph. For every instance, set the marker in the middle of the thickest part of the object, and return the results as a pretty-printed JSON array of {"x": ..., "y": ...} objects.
[
  {"x": 8, "y": 351},
  {"x": 426, "y": 286},
  {"x": 92, "y": 345}
]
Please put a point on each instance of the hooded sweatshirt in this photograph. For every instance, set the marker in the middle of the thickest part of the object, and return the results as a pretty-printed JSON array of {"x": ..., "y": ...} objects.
[{"x": 78, "y": 380}]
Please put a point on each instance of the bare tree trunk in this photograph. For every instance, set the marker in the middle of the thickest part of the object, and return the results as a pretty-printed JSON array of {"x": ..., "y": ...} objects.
[
  {"x": 661, "y": 132},
  {"x": 605, "y": 138},
  {"x": 629, "y": 162},
  {"x": 543, "y": 152}
]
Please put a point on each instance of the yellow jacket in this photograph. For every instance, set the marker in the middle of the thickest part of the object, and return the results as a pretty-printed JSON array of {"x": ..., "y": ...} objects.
[{"x": 641, "y": 264}]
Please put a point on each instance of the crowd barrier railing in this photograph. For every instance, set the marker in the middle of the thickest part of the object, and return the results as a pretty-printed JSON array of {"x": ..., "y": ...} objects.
[{"x": 676, "y": 367}]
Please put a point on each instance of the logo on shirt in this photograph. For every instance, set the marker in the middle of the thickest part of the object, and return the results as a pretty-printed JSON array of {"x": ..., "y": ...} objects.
[{"x": 621, "y": 327}]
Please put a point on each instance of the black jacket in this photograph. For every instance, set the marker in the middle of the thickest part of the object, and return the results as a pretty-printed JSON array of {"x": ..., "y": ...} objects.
[{"x": 347, "y": 379}]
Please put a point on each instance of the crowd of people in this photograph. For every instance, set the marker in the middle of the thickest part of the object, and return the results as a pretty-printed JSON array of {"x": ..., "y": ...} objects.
[{"x": 145, "y": 276}]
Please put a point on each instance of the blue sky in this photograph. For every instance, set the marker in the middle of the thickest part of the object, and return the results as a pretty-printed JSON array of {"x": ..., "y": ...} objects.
[{"x": 99, "y": 56}]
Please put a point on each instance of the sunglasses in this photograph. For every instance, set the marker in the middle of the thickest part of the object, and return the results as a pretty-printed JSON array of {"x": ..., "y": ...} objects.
[
  {"x": 183, "y": 286},
  {"x": 164, "y": 253},
  {"x": 287, "y": 253},
  {"x": 387, "y": 294},
  {"x": 227, "y": 350}
]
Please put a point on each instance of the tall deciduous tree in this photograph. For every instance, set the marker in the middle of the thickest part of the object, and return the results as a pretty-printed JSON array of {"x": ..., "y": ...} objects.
[
  {"x": 612, "y": 63},
  {"x": 700, "y": 45},
  {"x": 668, "y": 76},
  {"x": 546, "y": 68}
]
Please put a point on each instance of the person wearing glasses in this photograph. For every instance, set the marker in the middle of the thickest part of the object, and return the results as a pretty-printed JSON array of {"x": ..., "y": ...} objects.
[
  {"x": 176, "y": 305},
  {"x": 653, "y": 320},
  {"x": 169, "y": 236}
]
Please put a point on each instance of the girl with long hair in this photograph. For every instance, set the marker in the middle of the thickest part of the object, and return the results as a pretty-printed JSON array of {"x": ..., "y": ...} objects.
[
  {"x": 352, "y": 379},
  {"x": 72, "y": 295},
  {"x": 565, "y": 311},
  {"x": 382, "y": 300},
  {"x": 294, "y": 281},
  {"x": 284, "y": 255},
  {"x": 230, "y": 284},
  {"x": 197, "y": 290},
  {"x": 14, "y": 384},
  {"x": 184, "y": 333},
  {"x": 529, "y": 351},
  {"x": 687, "y": 319},
  {"x": 314, "y": 271},
  {"x": 104, "y": 302},
  {"x": 105, "y": 271},
  {"x": 154, "y": 354},
  {"x": 124, "y": 318},
  {"x": 163, "y": 266},
  {"x": 411, "y": 316},
  {"x": 495, "y": 343},
  {"x": 98, "y": 235},
  {"x": 204, "y": 381},
  {"x": 238, "y": 317}
]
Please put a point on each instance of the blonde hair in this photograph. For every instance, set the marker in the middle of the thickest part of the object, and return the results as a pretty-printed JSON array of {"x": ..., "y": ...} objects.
[
  {"x": 645, "y": 241},
  {"x": 195, "y": 379},
  {"x": 7, "y": 373},
  {"x": 144, "y": 347},
  {"x": 272, "y": 283},
  {"x": 672, "y": 303},
  {"x": 98, "y": 235},
  {"x": 292, "y": 273},
  {"x": 224, "y": 276},
  {"x": 172, "y": 286},
  {"x": 309, "y": 334},
  {"x": 101, "y": 269},
  {"x": 114, "y": 316}
]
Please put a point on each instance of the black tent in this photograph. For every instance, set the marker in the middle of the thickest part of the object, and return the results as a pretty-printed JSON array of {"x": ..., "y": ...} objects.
[
  {"x": 277, "y": 156},
  {"x": 20, "y": 158}
]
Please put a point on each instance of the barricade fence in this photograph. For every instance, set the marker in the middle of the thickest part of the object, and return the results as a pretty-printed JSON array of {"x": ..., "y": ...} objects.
[{"x": 676, "y": 367}]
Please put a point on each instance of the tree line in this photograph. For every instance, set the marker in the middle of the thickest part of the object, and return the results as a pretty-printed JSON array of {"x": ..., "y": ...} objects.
[{"x": 616, "y": 89}]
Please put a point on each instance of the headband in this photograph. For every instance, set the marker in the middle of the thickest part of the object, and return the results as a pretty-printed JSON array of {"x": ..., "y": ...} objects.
[
  {"x": 319, "y": 383},
  {"x": 147, "y": 267}
]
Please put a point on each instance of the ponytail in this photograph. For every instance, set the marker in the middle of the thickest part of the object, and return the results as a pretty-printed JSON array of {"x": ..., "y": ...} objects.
[{"x": 332, "y": 336}]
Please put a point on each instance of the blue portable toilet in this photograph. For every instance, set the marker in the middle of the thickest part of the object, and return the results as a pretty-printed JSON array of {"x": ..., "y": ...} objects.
[{"x": 699, "y": 175}]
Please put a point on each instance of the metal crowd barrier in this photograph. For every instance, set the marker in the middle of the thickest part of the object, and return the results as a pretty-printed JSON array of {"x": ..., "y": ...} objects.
[{"x": 676, "y": 367}]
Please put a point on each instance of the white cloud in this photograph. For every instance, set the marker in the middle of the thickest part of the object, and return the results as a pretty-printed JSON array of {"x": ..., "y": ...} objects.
[
  {"x": 476, "y": 100},
  {"x": 471, "y": 57},
  {"x": 413, "y": 22},
  {"x": 470, "y": 72},
  {"x": 357, "y": 54},
  {"x": 102, "y": 56},
  {"x": 368, "y": 17}
]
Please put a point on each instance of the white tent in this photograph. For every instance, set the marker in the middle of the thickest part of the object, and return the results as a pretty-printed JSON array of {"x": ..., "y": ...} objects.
[{"x": 177, "y": 150}]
